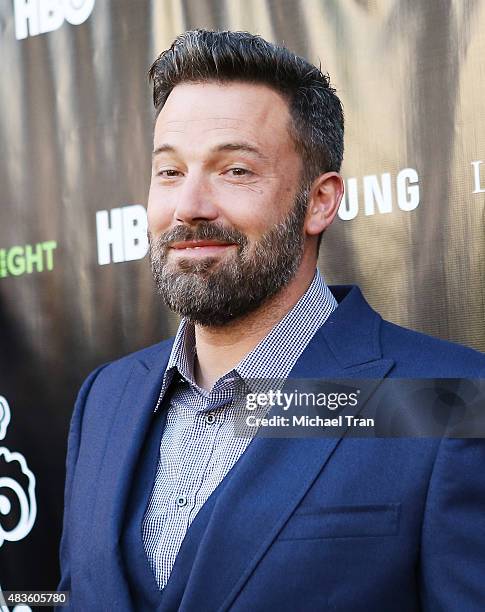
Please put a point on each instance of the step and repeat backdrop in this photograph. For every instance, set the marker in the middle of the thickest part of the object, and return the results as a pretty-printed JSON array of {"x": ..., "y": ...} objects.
[{"x": 76, "y": 125}]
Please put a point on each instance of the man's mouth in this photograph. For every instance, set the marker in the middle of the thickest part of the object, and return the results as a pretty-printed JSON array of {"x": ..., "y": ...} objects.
[{"x": 200, "y": 247}]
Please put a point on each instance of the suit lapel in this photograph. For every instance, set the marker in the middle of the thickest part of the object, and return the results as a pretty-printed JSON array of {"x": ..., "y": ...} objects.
[
  {"x": 131, "y": 421},
  {"x": 272, "y": 476}
]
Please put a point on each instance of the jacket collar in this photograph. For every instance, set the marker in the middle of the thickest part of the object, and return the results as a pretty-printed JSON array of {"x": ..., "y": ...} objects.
[{"x": 351, "y": 334}]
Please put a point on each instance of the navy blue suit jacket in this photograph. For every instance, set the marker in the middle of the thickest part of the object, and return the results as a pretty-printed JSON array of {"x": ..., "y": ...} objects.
[{"x": 303, "y": 524}]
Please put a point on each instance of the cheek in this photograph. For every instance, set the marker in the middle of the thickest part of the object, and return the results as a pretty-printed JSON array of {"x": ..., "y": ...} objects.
[
  {"x": 158, "y": 212},
  {"x": 248, "y": 221},
  {"x": 249, "y": 210}
]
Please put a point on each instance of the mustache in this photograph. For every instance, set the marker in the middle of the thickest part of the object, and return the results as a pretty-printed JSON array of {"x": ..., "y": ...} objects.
[{"x": 202, "y": 231}]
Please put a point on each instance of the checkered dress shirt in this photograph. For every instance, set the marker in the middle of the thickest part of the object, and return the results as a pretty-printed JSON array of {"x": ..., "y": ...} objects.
[{"x": 198, "y": 445}]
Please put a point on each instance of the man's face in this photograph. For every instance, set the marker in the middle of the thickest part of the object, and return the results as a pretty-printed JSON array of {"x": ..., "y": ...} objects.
[{"x": 225, "y": 213}]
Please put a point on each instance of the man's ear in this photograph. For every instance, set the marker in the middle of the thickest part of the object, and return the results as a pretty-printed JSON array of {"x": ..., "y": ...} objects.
[{"x": 325, "y": 196}]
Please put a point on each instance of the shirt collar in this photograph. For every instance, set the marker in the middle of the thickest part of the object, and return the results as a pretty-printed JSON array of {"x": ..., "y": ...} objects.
[{"x": 277, "y": 353}]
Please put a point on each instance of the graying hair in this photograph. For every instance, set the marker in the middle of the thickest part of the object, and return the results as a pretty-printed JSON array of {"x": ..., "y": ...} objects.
[{"x": 317, "y": 127}]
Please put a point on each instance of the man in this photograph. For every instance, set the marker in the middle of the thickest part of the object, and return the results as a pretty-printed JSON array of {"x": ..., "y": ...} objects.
[{"x": 167, "y": 509}]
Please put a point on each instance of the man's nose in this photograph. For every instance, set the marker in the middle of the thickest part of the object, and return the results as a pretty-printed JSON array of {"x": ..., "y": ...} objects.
[{"x": 195, "y": 200}]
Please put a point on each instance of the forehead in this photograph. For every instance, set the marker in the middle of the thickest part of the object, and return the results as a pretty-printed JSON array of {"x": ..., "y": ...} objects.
[{"x": 206, "y": 112}]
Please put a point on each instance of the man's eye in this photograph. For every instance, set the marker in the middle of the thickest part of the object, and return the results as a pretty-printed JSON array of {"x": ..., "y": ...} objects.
[
  {"x": 169, "y": 173},
  {"x": 239, "y": 172}
]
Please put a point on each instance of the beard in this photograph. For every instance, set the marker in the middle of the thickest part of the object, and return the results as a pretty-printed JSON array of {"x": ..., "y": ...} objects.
[{"x": 217, "y": 290}]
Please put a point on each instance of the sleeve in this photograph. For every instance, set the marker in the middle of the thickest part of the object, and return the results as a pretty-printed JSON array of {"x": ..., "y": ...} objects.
[
  {"x": 453, "y": 532},
  {"x": 73, "y": 444}
]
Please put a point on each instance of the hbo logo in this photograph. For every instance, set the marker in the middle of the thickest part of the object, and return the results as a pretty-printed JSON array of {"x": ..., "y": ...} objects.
[{"x": 34, "y": 17}]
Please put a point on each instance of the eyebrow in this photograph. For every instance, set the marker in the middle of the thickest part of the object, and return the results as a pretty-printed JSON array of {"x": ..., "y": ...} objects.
[{"x": 228, "y": 146}]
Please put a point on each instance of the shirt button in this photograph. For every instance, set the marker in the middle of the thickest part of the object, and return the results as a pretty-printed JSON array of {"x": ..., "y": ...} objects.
[
  {"x": 210, "y": 419},
  {"x": 181, "y": 501}
]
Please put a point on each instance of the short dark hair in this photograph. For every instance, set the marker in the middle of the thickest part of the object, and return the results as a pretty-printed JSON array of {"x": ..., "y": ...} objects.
[{"x": 317, "y": 117}]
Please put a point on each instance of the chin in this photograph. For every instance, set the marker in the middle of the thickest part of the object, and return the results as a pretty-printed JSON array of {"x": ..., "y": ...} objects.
[{"x": 190, "y": 266}]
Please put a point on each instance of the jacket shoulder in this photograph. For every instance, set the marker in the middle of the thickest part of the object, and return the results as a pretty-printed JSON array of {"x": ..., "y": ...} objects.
[
  {"x": 145, "y": 355},
  {"x": 112, "y": 371},
  {"x": 419, "y": 355}
]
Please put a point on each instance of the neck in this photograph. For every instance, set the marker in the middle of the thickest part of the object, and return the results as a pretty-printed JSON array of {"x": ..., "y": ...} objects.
[{"x": 221, "y": 348}]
